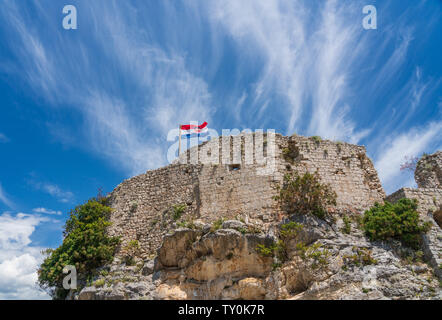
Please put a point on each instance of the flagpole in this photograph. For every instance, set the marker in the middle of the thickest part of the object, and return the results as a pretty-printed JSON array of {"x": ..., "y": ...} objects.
[{"x": 179, "y": 148}]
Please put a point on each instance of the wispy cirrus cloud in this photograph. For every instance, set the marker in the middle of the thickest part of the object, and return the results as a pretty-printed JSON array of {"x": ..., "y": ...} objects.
[
  {"x": 53, "y": 190},
  {"x": 4, "y": 198},
  {"x": 46, "y": 211},
  {"x": 298, "y": 66},
  {"x": 124, "y": 126},
  {"x": 309, "y": 54}
]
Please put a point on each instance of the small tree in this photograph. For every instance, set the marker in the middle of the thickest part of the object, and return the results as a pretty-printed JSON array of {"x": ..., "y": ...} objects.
[
  {"x": 85, "y": 246},
  {"x": 305, "y": 194}
]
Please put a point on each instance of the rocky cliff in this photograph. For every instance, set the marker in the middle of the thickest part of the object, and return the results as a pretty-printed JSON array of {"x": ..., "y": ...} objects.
[{"x": 203, "y": 231}]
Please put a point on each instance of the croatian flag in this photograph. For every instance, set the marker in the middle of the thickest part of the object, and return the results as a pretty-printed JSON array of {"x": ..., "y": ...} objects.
[{"x": 189, "y": 129}]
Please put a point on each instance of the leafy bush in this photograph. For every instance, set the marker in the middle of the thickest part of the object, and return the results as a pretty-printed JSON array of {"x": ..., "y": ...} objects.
[
  {"x": 265, "y": 251},
  {"x": 276, "y": 249},
  {"x": 306, "y": 194},
  {"x": 398, "y": 221},
  {"x": 178, "y": 210},
  {"x": 216, "y": 225},
  {"x": 99, "y": 283},
  {"x": 347, "y": 225},
  {"x": 85, "y": 246},
  {"x": 186, "y": 224},
  {"x": 290, "y": 229},
  {"x": 317, "y": 139},
  {"x": 314, "y": 252}
]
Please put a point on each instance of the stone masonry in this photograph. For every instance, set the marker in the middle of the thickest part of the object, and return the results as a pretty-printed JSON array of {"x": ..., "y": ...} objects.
[
  {"x": 428, "y": 172},
  {"x": 429, "y": 198},
  {"x": 235, "y": 187}
]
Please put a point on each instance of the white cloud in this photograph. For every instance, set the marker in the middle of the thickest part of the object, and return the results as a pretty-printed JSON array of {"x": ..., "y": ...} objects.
[
  {"x": 309, "y": 56},
  {"x": 46, "y": 211},
  {"x": 124, "y": 130},
  {"x": 19, "y": 260},
  {"x": 393, "y": 152},
  {"x": 54, "y": 190},
  {"x": 5, "y": 198}
]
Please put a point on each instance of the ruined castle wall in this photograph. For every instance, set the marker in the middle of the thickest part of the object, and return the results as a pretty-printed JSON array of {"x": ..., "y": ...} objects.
[
  {"x": 344, "y": 166},
  {"x": 237, "y": 188},
  {"x": 239, "y": 182},
  {"x": 429, "y": 200},
  {"x": 428, "y": 172},
  {"x": 143, "y": 205}
]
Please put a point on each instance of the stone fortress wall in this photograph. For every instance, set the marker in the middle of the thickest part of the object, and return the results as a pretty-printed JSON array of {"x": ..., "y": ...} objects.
[
  {"x": 428, "y": 176},
  {"x": 239, "y": 188},
  {"x": 428, "y": 172}
]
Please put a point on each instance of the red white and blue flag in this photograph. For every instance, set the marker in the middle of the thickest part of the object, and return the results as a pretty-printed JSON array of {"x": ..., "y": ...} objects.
[{"x": 189, "y": 129}]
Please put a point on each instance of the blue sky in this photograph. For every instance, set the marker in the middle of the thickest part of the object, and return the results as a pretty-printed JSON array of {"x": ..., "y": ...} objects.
[{"x": 87, "y": 108}]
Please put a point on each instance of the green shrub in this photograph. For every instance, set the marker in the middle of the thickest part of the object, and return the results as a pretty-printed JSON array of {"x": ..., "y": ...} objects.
[
  {"x": 347, "y": 225},
  {"x": 178, "y": 210},
  {"x": 186, "y": 224},
  {"x": 85, "y": 246},
  {"x": 290, "y": 229},
  {"x": 360, "y": 257},
  {"x": 265, "y": 251},
  {"x": 99, "y": 283},
  {"x": 314, "y": 252},
  {"x": 305, "y": 194},
  {"x": 217, "y": 224},
  {"x": 276, "y": 249},
  {"x": 317, "y": 139},
  {"x": 398, "y": 221}
]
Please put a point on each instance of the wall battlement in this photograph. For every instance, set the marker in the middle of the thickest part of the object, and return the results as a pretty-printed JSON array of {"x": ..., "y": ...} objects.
[{"x": 144, "y": 205}]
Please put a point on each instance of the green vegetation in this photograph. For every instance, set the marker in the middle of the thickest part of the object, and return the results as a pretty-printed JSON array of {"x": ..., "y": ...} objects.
[
  {"x": 347, "y": 225},
  {"x": 216, "y": 225},
  {"x": 290, "y": 229},
  {"x": 314, "y": 252},
  {"x": 186, "y": 224},
  {"x": 131, "y": 250},
  {"x": 85, "y": 246},
  {"x": 317, "y": 139},
  {"x": 99, "y": 283},
  {"x": 133, "y": 206},
  {"x": 411, "y": 256},
  {"x": 398, "y": 221},
  {"x": 278, "y": 249},
  {"x": 178, "y": 210},
  {"x": 365, "y": 290},
  {"x": 360, "y": 257},
  {"x": 305, "y": 194},
  {"x": 288, "y": 155}
]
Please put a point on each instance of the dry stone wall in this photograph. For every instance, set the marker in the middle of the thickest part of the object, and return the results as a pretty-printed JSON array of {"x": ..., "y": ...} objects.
[{"x": 214, "y": 184}]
